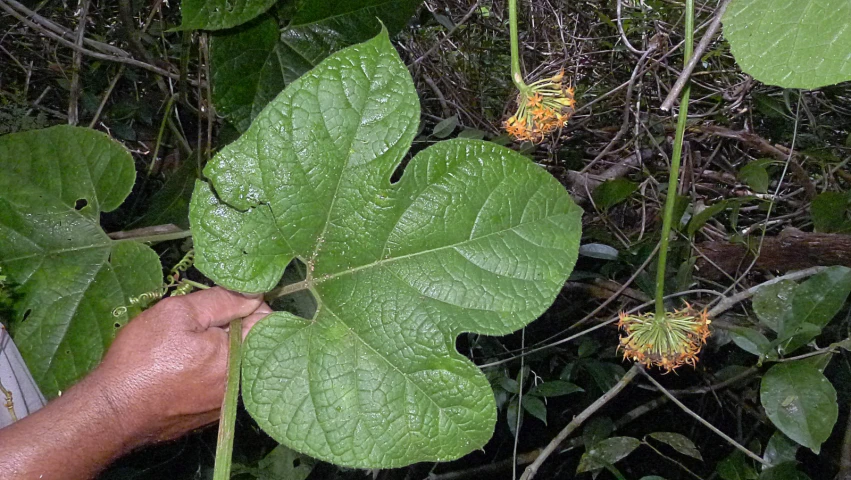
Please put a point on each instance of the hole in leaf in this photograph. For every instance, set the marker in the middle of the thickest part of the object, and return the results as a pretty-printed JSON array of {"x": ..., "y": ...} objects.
[
  {"x": 400, "y": 169},
  {"x": 80, "y": 204},
  {"x": 296, "y": 462},
  {"x": 26, "y": 314},
  {"x": 117, "y": 325},
  {"x": 301, "y": 303},
  {"x": 244, "y": 252}
]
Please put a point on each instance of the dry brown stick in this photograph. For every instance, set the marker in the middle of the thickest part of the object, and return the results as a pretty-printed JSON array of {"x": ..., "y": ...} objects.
[
  {"x": 77, "y": 62},
  {"x": 674, "y": 94},
  {"x": 532, "y": 469},
  {"x": 100, "y": 56},
  {"x": 627, "y": 107},
  {"x": 449, "y": 33},
  {"x": 106, "y": 96},
  {"x": 764, "y": 146},
  {"x": 103, "y": 47}
]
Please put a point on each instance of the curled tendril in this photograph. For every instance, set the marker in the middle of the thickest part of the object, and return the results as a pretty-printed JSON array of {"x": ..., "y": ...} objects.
[
  {"x": 182, "y": 288},
  {"x": 172, "y": 281},
  {"x": 174, "y": 274}
]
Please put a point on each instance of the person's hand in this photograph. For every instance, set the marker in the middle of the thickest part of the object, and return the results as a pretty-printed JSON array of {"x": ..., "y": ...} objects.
[{"x": 165, "y": 373}]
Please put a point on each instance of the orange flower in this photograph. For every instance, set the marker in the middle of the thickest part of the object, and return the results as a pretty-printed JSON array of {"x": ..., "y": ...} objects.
[
  {"x": 668, "y": 342},
  {"x": 546, "y": 106}
]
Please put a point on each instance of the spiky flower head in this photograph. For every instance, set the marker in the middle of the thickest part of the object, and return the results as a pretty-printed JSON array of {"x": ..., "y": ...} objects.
[
  {"x": 542, "y": 107},
  {"x": 668, "y": 342}
]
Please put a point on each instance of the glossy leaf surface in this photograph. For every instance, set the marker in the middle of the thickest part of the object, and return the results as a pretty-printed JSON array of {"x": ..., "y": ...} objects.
[
  {"x": 71, "y": 275},
  {"x": 791, "y": 43},
  {"x": 473, "y": 238},
  {"x": 800, "y": 402},
  {"x": 252, "y": 64},
  {"x": 219, "y": 14}
]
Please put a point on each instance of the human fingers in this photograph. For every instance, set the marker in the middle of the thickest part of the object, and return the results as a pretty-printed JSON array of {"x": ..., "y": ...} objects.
[
  {"x": 217, "y": 307},
  {"x": 249, "y": 321}
]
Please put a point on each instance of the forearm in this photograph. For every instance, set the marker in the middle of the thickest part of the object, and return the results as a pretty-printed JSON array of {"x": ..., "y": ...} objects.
[{"x": 73, "y": 437}]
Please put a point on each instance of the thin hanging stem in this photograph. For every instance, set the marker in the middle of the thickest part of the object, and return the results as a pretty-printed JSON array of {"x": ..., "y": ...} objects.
[
  {"x": 674, "y": 178},
  {"x": 227, "y": 421},
  {"x": 700, "y": 419},
  {"x": 516, "y": 75}
]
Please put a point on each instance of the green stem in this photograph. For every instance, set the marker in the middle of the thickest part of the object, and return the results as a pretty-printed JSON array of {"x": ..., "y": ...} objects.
[
  {"x": 227, "y": 422},
  {"x": 516, "y": 75},
  {"x": 674, "y": 178},
  {"x": 168, "y": 108}
]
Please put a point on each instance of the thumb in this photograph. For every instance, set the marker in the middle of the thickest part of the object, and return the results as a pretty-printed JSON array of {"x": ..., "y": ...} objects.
[{"x": 217, "y": 307}]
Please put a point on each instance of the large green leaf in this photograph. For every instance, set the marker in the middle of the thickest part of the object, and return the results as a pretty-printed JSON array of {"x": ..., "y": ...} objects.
[
  {"x": 800, "y": 402},
  {"x": 473, "y": 238},
  {"x": 70, "y": 274},
  {"x": 791, "y": 43},
  {"x": 814, "y": 303},
  {"x": 219, "y": 14},
  {"x": 252, "y": 64}
]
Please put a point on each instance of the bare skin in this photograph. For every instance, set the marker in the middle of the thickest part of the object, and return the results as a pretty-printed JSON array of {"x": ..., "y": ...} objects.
[{"x": 162, "y": 377}]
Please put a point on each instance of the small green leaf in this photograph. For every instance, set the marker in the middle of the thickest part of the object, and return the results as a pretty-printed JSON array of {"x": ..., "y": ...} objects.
[
  {"x": 773, "y": 302},
  {"x": 678, "y": 442},
  {"x": 536, "y": 407},
  {"x": 598, "y": 250},
  {"x": 769, "y": 106},
  {"x": 71, "y": 276},
  {"x": 597, "y": 430},
  {"x": 699, "y": 219},
  {"x": 612, "y": 192},
  {"x": 800, "y": 402},
  {"x": 791, "y": 43},
  {"x": 445, "y": 127},
  {"x": 736, "y": 467},
  {"x": 280, "y": 463},
  {"x": 472, "y": 238},
  {"x": 780, "y": 449},
  {"x": 755, "y": 176},
  {"x": 220, "y": 14},
  {"x": 472, "y": 134},
  {"x": 750, "y": 340},
  {"x": 784, "y": 471},
  {"x": 830, "y": 212},
  {"x": 607, "y": 452},
  {"x": 555, "y": 388}
]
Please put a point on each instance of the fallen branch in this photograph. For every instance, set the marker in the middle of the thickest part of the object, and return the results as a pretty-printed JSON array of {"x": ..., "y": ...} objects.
[{"x": 792, "y": 249}]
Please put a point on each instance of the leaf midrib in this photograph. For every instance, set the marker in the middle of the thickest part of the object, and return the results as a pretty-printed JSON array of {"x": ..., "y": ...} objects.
[{"x": 385, "y": 261}]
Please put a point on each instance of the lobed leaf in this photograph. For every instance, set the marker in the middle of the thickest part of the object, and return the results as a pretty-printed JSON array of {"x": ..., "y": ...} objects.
[
  {"x": 473, "y": 238},
  {"x": 71, "y": 275}
]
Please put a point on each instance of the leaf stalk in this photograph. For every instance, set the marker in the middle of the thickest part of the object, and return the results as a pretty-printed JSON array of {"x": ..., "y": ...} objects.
[{"x": 227, "y": 421}]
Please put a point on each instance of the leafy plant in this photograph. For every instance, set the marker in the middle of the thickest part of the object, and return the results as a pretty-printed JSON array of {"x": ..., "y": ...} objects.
[
  {"x": 71, "y": 277},
  {"x": 474, "y": 238}
]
